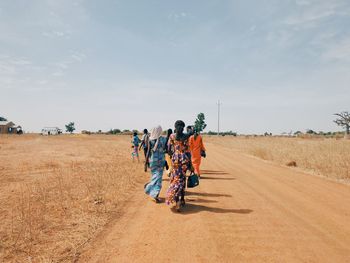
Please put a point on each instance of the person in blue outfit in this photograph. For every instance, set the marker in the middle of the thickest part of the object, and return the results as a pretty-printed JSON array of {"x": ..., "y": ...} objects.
[
  {"x": 156, "y": 160},
  {"x": 135, "y": 145}
]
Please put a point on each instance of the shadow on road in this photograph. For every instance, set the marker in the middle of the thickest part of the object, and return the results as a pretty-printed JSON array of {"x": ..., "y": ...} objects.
[
  {"x": 216, "y": 178},
  {"x": 199, "y": 200},
  {"x": 194, "y": 208},
  {"x": 213, "y": 172},
  {"x": 207, "y": 194}
]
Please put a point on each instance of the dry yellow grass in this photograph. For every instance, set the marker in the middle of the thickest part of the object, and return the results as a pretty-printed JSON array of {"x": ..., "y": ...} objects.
[
  {"x": 326, "y": 157},
  {"x": 56, "y": 193}
]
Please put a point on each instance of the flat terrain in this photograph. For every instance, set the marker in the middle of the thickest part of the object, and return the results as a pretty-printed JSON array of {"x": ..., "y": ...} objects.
[
  {"x": 58, "y": 192},
  {"x": 245, "y": 210},
  {"x": 80, "y": 198}
]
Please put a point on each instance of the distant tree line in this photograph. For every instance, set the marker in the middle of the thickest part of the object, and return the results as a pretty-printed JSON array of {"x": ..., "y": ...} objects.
[{"x": 228, "y": 133}]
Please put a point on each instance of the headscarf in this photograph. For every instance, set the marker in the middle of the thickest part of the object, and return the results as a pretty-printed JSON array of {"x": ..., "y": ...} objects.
[{"x": 156, "y": 132}]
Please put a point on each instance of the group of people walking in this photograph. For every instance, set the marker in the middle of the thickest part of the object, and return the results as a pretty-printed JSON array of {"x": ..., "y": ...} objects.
[{"x": 178, "y": 152}]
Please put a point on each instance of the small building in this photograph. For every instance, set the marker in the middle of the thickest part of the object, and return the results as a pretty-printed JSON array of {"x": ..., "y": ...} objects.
[
  {"x": 51, "y": 131},
  {"x": 8, "y": 127}
]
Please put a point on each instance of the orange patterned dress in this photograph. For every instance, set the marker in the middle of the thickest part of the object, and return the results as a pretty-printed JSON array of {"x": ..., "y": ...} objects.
[{"x": 181, "y": 162}]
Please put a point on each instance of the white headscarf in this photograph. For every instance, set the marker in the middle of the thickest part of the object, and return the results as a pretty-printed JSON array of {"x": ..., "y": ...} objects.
[{"x": 156, "y": 132}]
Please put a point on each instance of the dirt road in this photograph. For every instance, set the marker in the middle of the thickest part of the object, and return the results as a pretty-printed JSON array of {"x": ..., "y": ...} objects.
[{"x": 245, "y": 210}]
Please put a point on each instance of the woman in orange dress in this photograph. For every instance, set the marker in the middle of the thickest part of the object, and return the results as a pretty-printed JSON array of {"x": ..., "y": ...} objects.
[{"x": 197, "y": 151}]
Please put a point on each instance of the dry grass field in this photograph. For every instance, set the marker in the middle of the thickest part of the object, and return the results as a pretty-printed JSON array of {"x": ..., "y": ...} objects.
[
  {"x": 322, "y": 156},
  {"x": 58, "y": 192}
]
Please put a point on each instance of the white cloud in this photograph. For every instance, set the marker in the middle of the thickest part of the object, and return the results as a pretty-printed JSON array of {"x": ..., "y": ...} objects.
[
  {"x": 179, "y": 16},
  {"x": 61, "y": 65},
  {"x": 42, "y": 82},
  {"x": 78, "y": 56},
  {"x": 58, "y": 74},
  {"x": 312, "y": 12},
  {"x": 338, "y": 51},
  {"x": 7, "y": 68},
  {"x": 302, "y": 2},
  {"x": 59, "y": 68},
  {"x": 57, "y": 34},
  {"x": 12, "y": 65},
  {"x": 21, "y": 62}
]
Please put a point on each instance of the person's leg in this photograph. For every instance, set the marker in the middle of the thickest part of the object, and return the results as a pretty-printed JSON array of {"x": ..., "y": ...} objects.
[
  {"x": 182, "y": 190},
  {"x": 145, "y": 152},
  {"x": 178, "y": 202},
  {"x": 198, "y": 168},
  {"x": 136, "y": 150},
  {"x": 154, "y": 187},
  {"x": 159, "y": 183}
]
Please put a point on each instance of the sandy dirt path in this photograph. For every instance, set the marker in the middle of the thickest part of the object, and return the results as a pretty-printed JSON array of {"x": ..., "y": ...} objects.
[{"x": 245, "y": 210}]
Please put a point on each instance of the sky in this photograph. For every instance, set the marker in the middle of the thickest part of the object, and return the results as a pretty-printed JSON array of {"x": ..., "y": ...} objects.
[{"x": 275, "y": 65}]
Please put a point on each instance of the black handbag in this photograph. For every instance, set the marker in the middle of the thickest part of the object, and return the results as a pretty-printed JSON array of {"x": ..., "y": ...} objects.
[
  {"x": 192, "y": 180},
  {"x": 203, "y": 154}
]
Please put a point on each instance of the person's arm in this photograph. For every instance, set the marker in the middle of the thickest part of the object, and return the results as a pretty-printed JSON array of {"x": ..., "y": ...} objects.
[
  {"x": 170, "y": 151},
  {"x": 142, "y": 142},
  {"x": 203, "y": 151},
  {"x": 190, "y": 143},
  {"x": 191, "y": 168},
  {"x": 202, "y": 145}
]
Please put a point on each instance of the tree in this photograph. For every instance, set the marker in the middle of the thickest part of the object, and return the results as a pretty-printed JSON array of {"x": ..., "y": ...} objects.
[
  {"x": 199, "y": 124},
  {"x": 343, "y": 120},
  {"x": 114, "y": 131},
  {"x": 3, "y": 119},
  {"x": 311, "y": 132},
  {"x": 70, "y": 127}
]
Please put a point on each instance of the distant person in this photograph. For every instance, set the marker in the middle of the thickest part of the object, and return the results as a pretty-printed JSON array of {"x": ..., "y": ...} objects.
[
  {"x": 168, "y": 153},
  {"x": 197, "y": 151},
  {"x": 156, "y": 159},
  {"x": 181, "y": 163},
  {"x": 135, "y": 145},
  {"x": 144, "y": 142}
]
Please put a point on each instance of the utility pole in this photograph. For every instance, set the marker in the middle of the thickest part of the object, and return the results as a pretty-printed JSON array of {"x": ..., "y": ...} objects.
[{"x": 219, "y": 104}]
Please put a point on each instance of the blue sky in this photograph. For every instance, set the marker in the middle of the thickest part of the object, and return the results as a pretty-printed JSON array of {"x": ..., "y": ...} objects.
[{"x": 276, "y": 65}]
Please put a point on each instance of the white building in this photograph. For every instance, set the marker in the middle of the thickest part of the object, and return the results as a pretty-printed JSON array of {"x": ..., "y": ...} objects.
[{"x": 51, "y": 131}]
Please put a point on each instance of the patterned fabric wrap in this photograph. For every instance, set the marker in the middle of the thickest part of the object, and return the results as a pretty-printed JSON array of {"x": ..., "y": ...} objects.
[
  {"x": 156, "y": 162},
  {"x": 157, "y": 157},
  {"x": 135, "y": 152},
  {"x": 135, "y": 143},
  {"x": 180, "y": 164}
]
